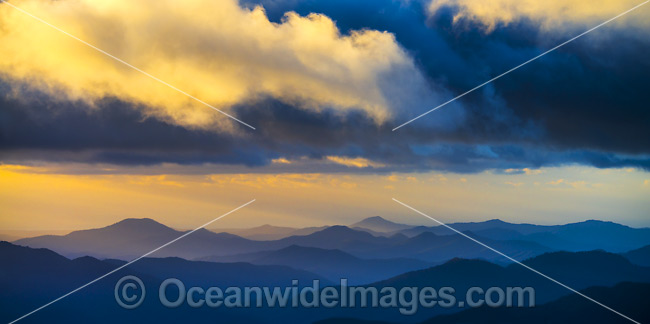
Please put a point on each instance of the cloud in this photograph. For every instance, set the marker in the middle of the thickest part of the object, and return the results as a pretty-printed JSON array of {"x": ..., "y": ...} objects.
[
  {"x": 354, "y": 162},
  {"x": 280, "y": 161},
  {"x": 585, "y": 104},
  {"x": 214, "y": 50},
  {"x": 532, "y": 172},
  {"x": 550, "y": 14},
  {"x": 116, "y": 134},
  {"x": 526, "y": 171},
  {"x": 393, "y": 178},
  {"x": 573, "y": 184}
]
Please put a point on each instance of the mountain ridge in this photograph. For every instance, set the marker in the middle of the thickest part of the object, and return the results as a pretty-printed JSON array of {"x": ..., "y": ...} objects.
[
  {"x": 331, "y": 263},
  {"x": 139, "y": 236},
  {"x": 380, "y": 224}
]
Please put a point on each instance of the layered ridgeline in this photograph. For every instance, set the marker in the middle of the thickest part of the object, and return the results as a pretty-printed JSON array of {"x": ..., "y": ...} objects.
[
  {"x": 640, "y": 256},
  {"x": 373, "y": 237},
  {"x": 133, "y": 237},
  {"x": 332, "y": 264},
  {"x": 32, "y": 277},
  {"x": 370, "y": 250}
]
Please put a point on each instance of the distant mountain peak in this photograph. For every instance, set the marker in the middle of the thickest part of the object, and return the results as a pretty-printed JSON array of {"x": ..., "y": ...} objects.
[
  {"x": 132, "y": 225},
  {"x": 376, "y": 219},
  {"x": 496, "y": 221},
  {"x": 137, "y": 222},
  {"x": 601, "y": 222},
  {"x": 380, "y": 224}
]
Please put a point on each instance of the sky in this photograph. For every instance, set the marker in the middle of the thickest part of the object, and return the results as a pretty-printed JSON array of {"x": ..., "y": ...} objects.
[{"x": 86, "y": 141}]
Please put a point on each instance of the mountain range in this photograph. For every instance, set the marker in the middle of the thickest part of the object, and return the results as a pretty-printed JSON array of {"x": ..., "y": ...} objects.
[
  {"x": 373, "y": 252},
  {"x": 582, "y": 236},
  {"x": 432, "y": 245},
  {"x": 138, "y": 236},
  {"x": 31, "y": 277}
]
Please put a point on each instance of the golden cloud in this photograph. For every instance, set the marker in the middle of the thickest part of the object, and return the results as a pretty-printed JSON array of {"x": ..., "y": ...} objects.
[
  {"x": 280, "y": 161},
  {"x": 216, "y": 51},
  {"x": 354, "y": 162},
  {"x": 550, "y": 14}
]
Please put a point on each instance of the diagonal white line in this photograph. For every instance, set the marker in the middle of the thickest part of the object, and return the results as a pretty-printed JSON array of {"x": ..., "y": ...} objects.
[
  {"x": 134, "y": 260},
  {"x": 127, "y": 64},
  {"x": 515, "y": 261},
  {"x": 520, "y": 65}
]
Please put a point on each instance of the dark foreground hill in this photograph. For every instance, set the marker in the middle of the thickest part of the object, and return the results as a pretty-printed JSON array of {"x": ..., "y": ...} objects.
[
  {"x": 627, "y": 298},
  {"x": 30, "y": 278},
  {"x": 630, "y": 299},
  {"x": 579, "y": 270}
]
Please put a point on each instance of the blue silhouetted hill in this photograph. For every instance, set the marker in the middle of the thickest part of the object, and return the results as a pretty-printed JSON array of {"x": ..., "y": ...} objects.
[
  {"x": 131, "y": 238},
  {"x": 640, "y": 256},
  {"x": 630, "y": 299},
  {"x": 333, "y": 264},
  {"x": 30, "y": 278},
  {"x": 379, "y": 224},
  {"x": 579, "y": 270},
  {"x": 627, "y": 298},
  {"x": 581, "y": 236}
]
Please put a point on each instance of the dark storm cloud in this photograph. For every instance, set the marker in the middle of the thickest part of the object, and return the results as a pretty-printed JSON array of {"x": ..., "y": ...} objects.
[
  {"x": 120, "y": 135},
  {"x": 589, "y": 95},
  {"x": 593, "y": 93},
  {"x": 586, "y": 103},
  {"x": 114, "y": 132}
]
